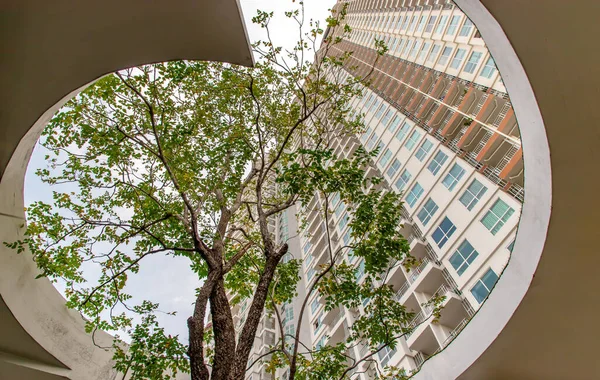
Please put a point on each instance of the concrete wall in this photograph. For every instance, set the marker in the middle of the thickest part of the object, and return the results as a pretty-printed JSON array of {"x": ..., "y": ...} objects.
[{"x": 51, "y": 50}]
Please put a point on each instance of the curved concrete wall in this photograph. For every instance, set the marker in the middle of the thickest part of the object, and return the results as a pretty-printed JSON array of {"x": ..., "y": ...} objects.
[{"x": 51, "y": 49}]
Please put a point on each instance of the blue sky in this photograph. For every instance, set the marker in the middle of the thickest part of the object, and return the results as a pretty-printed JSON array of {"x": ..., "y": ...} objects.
[{"x": 169, "y": 281}]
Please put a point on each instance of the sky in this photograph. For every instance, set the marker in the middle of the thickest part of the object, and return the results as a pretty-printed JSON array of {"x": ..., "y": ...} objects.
[{"x": 168, "y": 280}]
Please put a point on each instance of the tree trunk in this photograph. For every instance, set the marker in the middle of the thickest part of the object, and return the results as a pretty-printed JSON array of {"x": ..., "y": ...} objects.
[
  {"x": 224, "y": 332},
  {"x": 246, "y": 340}
]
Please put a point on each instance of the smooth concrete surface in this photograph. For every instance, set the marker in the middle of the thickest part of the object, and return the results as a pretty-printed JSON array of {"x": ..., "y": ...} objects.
[
  {"x": 50, "y": 50},
  {"x": 540, "y": 321}
]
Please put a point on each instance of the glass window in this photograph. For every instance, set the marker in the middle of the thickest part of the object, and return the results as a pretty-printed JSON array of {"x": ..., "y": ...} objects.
[
  {"x": 393, "y": 169},
  {"x": 372, "y": 141},
  {"x": 453, "y": 25},
  {"x": 488, "y": 69},
  {"x": 427, "y": 211},
  {"x": 466, "y": 28},
  {"x": 414, "y": 194},
  {"x": 463, "y": 257},
  {"x": 453, "y": 176},
  {"x": 471, "y": 64},
  {"x": 434, "y": 52},
  {"x": 394, "y": 124},
  {"x": 458, "y": 58},
  {"x": 424, "y": 51},
  {"x": 412, "y": 140},
  {"x": 385, "y": 158},
  {"x": 473, "y": 194},
  {"x": 415, "y": 48},
  {"x": 437, "y": 162},
  {"x": 497, "y": 215},
  {"x": 399, "y": 24},
  {"x": 421, "y": 23},
  {"x": 388, "y": 116},
  {"x": 385, "y": 354},
  {"x": 430, "y": 24},
  {"x": 335, "y": 199},
  {"x": 423, "y": 150},
  {"x": 360, "y": 270},
  {"x": 484, "y": 285},
  {"x": 413, "y": 21},
  {"x": 511, "y": 246},
  {"x": 445, "y": 55},
  {"x": 343, "y": 221},
  {"x": 443, "y": 232},
  {"x": 339, "y": 208},
  {"x": 366, "y": 134},
  {"x": 375, "y": 105},
  {"x": 402, "y": 131},
  {"x": 403, "y": 180},
  {"x": 381, "y": 110},
  {"x": 441, "y": 25}
]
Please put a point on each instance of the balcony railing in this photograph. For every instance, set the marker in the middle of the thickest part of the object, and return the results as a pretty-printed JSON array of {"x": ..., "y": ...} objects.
[{"x": 455, "y": 332}]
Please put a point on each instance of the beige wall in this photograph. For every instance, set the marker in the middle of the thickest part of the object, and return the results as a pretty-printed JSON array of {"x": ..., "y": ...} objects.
[{"x": 50, "y": 49}]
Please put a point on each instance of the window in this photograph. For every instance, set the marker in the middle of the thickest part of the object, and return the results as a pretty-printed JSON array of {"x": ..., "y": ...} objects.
[
  {"x": 385, "y": 354},
  {"x": 484, "y": 285},
  {"x": 394, "y": 124},
  {"x": 415, "y": 48},
  {"x": 311, "y": 273},
  {"x": 403, "y": 180},
  {"x": 423, "y": 51},
  {"x": 360, "y": 270},
  {"x": 472, "y": 62},
  {"x": 463, "y": 257},
  {"x": 437, "y": 162},
  {"x": 343, "y": 221},
  {"x": 412, "y": 140},
  {"x": 434, "y": 52},
  {"x": 399, "y": 24},
  {"x": 430, "y": 24},
  {"x": 421, "y": 23},
  {"x": 488, "y": 69},
  {"x": 366, "y": 134},
  {"x": 497, "y": 215},
  {"x": 402, "y": 131},
  {"x": 405, "y": 22},
  {"x": 335, "y": 199},
  {"x": 347, "y": 236},
  {"x": 453, "y": 176},
  {"x": 385, "y": 158},
  {"x": 443, "y": 232},
  {"x": 393, "y": 169},
  {"x": 412, "y": 23},
  {"x": 511, "y": 246},
  {"x": 427, "y": 211},
  {"x": 380, "y": 111},
  {"x": 423, "y": 150},
  {"x": 374, "y": 106},
  {"x": 473, "y": 194},
  {"x": 445, "y": 55},
  {"x": 453, "y": 25},
  {"x": 441, "y": 25},
  {"x": 414, "y": 194},
  {"x": 339, "y": 209},
  {"x": 307, "y": 247},
  {"x": 458, "y": 58},
  {"x": 466, "y": 28},
  {"x": 314, "y": 306},
  {"x": 372, "y": 141},
  {"x": 388, "y": 115}
]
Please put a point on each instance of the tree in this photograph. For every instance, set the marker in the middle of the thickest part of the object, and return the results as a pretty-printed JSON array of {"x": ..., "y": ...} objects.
[{"x": 194, "y": 159}]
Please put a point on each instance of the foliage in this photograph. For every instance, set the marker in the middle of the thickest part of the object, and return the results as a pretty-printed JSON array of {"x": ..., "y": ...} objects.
[{"x": 194, "y": 159}]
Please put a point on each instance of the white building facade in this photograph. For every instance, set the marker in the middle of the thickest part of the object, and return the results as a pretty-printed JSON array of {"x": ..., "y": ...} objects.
[{"x": 448, "y": 140}]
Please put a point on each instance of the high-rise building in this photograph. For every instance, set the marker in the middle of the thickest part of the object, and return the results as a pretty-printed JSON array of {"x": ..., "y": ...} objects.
[{"x": 448, "y": 140}]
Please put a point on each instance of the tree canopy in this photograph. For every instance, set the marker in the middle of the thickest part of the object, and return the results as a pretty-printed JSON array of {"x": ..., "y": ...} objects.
[{"x": 194, "y": 159}]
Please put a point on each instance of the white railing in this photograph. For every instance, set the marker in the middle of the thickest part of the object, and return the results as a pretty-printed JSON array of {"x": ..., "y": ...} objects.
[
  {"x": 479, "y": 105},
  {"x": 402, "y": 291},
  {"x": 455, "y": 332},
  {"x": 501, "y": 114}
]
